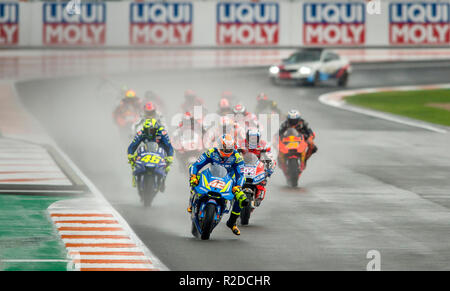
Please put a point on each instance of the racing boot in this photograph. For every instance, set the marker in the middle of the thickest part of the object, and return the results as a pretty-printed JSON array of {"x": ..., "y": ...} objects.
[
  {"x": 189, "y": 209},
  {"x": 231, "y": 223},
  {"x": 311, "y": 150},
  {"x": 133, "y": 181}
]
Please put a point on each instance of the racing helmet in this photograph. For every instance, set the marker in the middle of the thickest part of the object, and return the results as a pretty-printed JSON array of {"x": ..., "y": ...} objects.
[
  {"x": 149, "y": 109},
  {"x": 130, "y": 94},
  {"x": 253, "y": 137},
  {"x": 293, "y": 117},
  {"x": 226, "y": 145},
  {"x": 239, "y": 109},
  {"x": 224, "y": 103},
  {"x": 150, "y": 127}
]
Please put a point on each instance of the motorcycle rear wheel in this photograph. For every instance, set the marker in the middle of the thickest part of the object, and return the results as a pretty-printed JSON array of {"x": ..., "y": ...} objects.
[{"x": 208, "y": 221}]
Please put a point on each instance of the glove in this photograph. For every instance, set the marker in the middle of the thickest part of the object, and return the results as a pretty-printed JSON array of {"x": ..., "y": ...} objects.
[
  {"x": 131, "y": 158},
  {"x": 194, "y": 180},
  {"x": 169, "y": 160},
  {"x": 241, "y": 198},
  {"x": 167, "y": 169},
  {"x": 236, "y": 189}
]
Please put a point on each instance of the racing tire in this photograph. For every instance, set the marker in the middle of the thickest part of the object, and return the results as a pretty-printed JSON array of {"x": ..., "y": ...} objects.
[
  {"x": 208, "y": 221},
  {"x": 343, "y": 80},
  {"x": 194, "y": 230},
  {"x": 149, "y": 190},
  {"x": 293, "y": 172}
]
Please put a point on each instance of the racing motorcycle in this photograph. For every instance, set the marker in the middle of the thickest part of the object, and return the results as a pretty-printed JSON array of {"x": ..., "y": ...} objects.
[
  {"x": 212, "y": 198},
  {"x": 149, "y": 171},
  {"x": 291, "y": 156},
  {"x": 255, "y": 174}
]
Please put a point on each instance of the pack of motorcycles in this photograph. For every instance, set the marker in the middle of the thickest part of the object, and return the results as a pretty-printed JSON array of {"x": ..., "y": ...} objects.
[{"x": 213, "y": 196}]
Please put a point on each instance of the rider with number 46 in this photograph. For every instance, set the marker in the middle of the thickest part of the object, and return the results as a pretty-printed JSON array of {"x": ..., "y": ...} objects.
[
  {"x": 151, "y": 131},
  {"x": 227, "y": 156}
]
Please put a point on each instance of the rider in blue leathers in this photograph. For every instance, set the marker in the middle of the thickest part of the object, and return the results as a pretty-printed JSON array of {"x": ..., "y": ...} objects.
[
  {"x": 227, "y": 156},
  {"x": 151, "y": 132}
]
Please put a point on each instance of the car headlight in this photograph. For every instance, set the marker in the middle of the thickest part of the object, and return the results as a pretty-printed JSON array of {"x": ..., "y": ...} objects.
[
  {"x": 305, "y": 70},
  {"x": 274, "y": 70}
]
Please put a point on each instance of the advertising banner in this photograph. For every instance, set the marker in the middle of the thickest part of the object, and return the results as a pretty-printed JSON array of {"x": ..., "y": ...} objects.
[
  {"x": 157, "y": 23},
  {"x": 413, "y": 23},
  {"x": 9, "y": 23},
  {"x": 331, "y": 23},
  {"x": 247, "y": 23},
  {"x": 86, "y": 28}
]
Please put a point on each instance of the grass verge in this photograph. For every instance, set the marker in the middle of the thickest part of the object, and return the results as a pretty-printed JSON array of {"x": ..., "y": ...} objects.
[{"x": 427, "y": 105}]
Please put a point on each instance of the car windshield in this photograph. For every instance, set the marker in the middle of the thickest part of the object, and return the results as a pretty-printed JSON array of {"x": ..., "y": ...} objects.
[
  {"x": 304, "y": 56},
  {"x": 218, "y": 171}
]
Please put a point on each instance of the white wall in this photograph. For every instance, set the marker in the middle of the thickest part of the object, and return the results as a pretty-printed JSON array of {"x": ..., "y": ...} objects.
[{"x": 197, "y": 25}]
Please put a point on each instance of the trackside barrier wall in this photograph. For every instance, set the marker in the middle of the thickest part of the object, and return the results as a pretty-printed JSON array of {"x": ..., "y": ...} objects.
[{"x": 222, "y": 23}]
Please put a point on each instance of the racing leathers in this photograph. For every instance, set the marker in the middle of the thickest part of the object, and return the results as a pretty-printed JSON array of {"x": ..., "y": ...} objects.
[
  {"x": 233, "y": 164},
  {"x": 161, "y": 138},
  {"x": 264, "y": 154},
  {"x": 302, "y": 127}
]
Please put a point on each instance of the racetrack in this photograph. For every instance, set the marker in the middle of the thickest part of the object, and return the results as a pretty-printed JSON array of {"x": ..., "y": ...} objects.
[{"x": 373, "y": 185}]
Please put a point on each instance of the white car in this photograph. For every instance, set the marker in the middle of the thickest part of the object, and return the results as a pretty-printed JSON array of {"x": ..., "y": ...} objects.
[{"x": 311, "y": 66}]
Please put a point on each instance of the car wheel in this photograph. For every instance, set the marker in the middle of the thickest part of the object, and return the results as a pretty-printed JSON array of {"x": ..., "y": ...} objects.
[
  {"x": 343, "y": 80},
  {"x": 316, "y": 79}
]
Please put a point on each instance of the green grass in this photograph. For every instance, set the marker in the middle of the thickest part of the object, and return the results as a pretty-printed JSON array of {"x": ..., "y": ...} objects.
[
  {"x": 27, "y": 233},
  {"x": 412, "y": 104}
]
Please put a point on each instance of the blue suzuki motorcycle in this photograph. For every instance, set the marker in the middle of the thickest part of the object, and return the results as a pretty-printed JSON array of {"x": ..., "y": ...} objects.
[
  {"x": 212, "y": 198},
  {"x": 149, "y": 171}
]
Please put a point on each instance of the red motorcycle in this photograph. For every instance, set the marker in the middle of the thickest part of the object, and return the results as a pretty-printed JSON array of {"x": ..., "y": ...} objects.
[
  {"x": 292, "y": 155},
  {"x": 255, "y": 175}
]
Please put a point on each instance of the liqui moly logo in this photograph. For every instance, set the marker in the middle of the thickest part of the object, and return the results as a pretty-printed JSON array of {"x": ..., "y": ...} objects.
[
  {"x": 161, "y": 23},
  {"x": 419, "y": 23},
  {"x": 247, "y": 23},
  {"x": 86, "y": 28},
  {"x": 334, "y": 23},
  {"x": 9, "y": 23}
]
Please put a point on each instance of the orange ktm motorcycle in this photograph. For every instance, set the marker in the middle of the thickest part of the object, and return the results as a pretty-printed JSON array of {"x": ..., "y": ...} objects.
[{"x": 292, "y": 155}]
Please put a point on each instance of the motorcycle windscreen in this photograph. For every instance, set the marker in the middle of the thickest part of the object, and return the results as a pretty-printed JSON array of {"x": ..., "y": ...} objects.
[
  {"x": 218, "y": 171},
  {"x": 250, "y": 159}
]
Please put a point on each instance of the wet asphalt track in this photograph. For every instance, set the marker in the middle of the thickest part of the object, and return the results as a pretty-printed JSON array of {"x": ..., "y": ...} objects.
[{"x": 373, "y": 185}]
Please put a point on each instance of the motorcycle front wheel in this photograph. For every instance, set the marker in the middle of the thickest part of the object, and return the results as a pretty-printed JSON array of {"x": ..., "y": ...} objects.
[
  {"x": 149, "y": 190},
  {"x": 208, "y": 221},
  {"x": 293, "y": 172}
]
